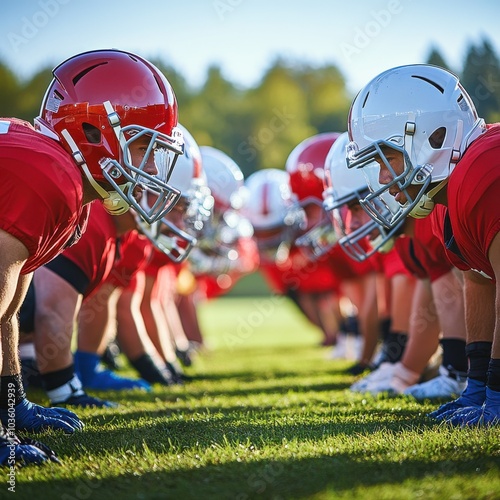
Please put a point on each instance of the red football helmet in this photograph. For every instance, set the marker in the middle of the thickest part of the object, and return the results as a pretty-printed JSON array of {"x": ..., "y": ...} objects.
[
  {"x": 97, "y": 105},
  {"x": 306, "y": 166}
]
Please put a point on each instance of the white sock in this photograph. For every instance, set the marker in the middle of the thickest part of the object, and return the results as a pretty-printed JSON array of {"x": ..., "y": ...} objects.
[{"x": 64, "y": 392}]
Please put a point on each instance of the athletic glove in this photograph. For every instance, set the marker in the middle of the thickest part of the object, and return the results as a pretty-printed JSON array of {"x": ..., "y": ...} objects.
[
  {"x": 23, "y": 451},
  {"x": 32, "y": 417},
  {"x": 486, "y": 415},
  {"x": 472, "y": 397}
]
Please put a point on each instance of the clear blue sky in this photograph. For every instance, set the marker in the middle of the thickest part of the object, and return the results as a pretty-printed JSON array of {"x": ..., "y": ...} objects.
[{"x": 244, "y": 37}]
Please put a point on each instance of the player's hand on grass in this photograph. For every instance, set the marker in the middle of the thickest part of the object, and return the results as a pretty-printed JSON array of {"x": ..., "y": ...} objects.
[
  {"x": 32, "y": 417},
  {"x": 23, "y": 451},
  {"x": 473, "y": 396}
]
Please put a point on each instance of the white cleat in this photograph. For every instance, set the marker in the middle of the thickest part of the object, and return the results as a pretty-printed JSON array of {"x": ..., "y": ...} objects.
[
  {"x": 448, "y": 384},
  {"x": 382, "y": 374},
  {"x": 402, "y": 378},
  {"x": 380, "y": 387},
  {"x": 339, "y": 350}
]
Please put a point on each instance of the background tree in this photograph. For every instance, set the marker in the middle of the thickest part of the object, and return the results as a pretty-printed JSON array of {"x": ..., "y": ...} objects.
[
  {"x": 214, "y": 115},
  {"x": 280, "y": 119},
  {"x": 259, "y": 126},
  {"x": 31, "y": 93},
  {"x": 9, "y": 92},
  {"x": 437, "y": 59},
  {"x": 481, "y": 78},
  {"x": 328, "y": 101}
]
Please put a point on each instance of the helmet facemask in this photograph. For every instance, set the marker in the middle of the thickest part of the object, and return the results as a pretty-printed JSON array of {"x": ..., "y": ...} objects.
[
  {"x": 321, "y": 237},
  {"x": 158, "y": 149},
  {"x": 173, "y": 237},
  {"x": 423, "y": 113},
  {"x": 175, "y": 243},
  {"x": 379, "y": 203},
  {"x": 200, "y": 206},
  {"x": 362, "y": 242},
  {"x": 359, "y": 236},
  {"x": 219, "y": 240},
  {"x": 274, "y": 242}
]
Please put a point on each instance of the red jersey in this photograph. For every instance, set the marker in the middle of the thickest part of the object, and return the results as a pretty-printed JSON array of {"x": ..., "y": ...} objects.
[
  {"x": 211, "y": 287},
  {"x": 345, "y": 268},
  {"x": 221, "y": 282},
  {"x": 41, "y": 192},
  {"x": 157, "y": 260},
  {"x": 134, "y": 251},
  {"x": 473, "y": 217},
  {"x": 424, "y": 254},
  {"x": 301, "y": 274},
  {"x": 95, "y": 252},
  {"x": 389, "y": 264}
]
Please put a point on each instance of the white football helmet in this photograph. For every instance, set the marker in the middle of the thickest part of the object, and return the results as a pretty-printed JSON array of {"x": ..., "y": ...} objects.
[
  {"x": 176, "y": 233},
  {"x": 217, "y": 249},
  {"x": 423, "y": 112},
  {"x": 274, "y": 211},
  {"x": 224, "y": 176},
  {"x": 344, "y": 188}
]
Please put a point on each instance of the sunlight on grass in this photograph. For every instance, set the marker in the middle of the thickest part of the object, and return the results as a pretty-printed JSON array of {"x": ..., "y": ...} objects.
[
  {"x": 237, "y": 323},
  {"x": 265, "y": 416}
]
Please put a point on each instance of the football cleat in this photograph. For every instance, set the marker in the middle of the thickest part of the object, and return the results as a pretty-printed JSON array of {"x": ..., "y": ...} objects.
[
  {"x": 448, "y": 384},
  {"x": 383, "y": 373}
]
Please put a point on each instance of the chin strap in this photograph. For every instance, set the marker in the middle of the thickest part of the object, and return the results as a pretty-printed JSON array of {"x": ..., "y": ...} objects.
[
  {"x": 380, "y": 246},
  {"x": 80, "y": 161},
  {"x": 113, "y": 203},
  {"x": 426, "y": 203}
]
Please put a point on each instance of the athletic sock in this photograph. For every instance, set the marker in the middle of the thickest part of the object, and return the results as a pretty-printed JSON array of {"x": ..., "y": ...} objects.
[
  {"x": 454, "y": 354},
  {"x": 150, "y": 371},
  {"x": 55, "y": 379},
  {"x": 478, "y": 354},
  {"x": 494, "y": 375},
  {"x": 394, "y": 346}
]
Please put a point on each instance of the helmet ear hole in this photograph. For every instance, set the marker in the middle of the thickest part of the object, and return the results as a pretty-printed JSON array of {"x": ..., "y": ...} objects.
[
  {"x": 436, "y": 139},
  {"x": 92, "y": 133}
]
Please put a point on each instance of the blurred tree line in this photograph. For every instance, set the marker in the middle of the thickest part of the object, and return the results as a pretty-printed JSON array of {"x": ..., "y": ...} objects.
[{"x": 259, "y": 126}]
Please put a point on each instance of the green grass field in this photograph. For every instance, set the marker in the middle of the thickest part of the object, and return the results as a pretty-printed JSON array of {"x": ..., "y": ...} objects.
[{"x": 266, "y": 417}]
